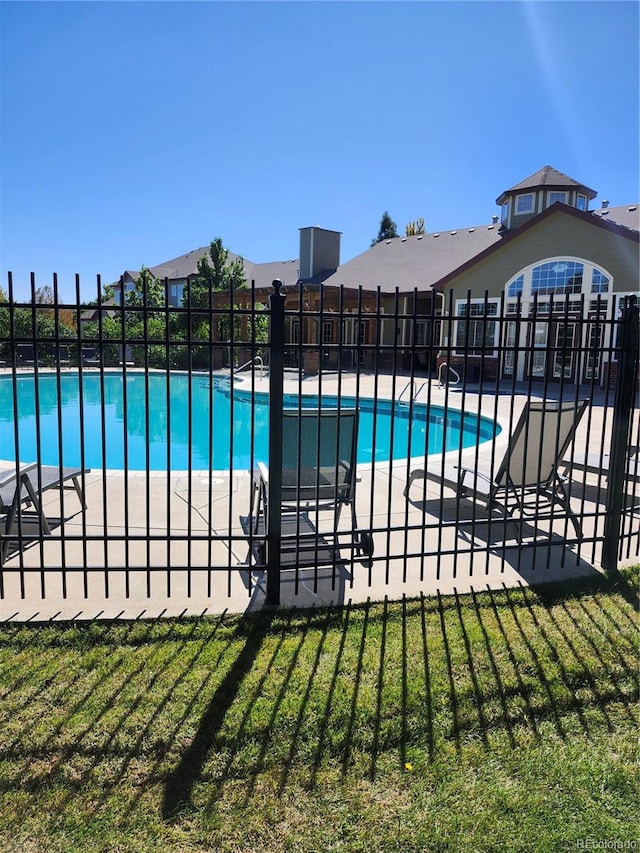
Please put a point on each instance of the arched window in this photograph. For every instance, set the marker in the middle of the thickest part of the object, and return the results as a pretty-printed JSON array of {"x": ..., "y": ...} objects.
[{"x": 562, "y": 277}]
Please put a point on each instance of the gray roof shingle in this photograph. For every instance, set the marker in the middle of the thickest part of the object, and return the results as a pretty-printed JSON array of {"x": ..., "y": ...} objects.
[
  {"x": 409, "y": 262},
  {"x": 550, "y": 178},
  {"x": 628, "y": 215}
]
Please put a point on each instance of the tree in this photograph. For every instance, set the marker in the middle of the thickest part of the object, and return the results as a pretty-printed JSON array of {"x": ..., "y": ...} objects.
[
  {"x": 148, "y": 291},
  {"x": 43, "y": 295},
  {"x": 412, "y": 229},
  {"x": 215, "y": 273},
  {"x": 388, "y": 229}
]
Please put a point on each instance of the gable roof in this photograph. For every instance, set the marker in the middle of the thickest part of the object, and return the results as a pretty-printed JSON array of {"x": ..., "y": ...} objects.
[
  {"x": 180, "y": 268},
  {"x": 184, "y": 265},
  {"x": 434, "y": 259},
  {"x": 555, "y": 209}
]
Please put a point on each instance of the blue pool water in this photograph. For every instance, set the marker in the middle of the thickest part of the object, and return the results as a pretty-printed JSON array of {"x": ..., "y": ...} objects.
[{"x": 159, "y": 432}]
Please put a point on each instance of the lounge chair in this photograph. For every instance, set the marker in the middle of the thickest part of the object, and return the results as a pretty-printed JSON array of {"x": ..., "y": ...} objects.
[
  {"x": 318, "y": 473},
  {"x": 125, "y": 356},
  {"x": 91, "y": 357},
  {"x": 594, "y": 463},
  {"x": 63, "y": 358},
  {"x": 528, "y": 477},
  {"x": 27, "y": 487},
  {"x": 25, "y": 356}
]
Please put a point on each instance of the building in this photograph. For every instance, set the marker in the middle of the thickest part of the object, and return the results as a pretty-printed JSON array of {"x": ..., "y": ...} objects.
[{"x": 546, "y": 256}]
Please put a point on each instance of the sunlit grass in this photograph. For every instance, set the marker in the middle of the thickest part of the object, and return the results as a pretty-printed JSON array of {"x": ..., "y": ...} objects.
[{"x": 494, "y": 721}]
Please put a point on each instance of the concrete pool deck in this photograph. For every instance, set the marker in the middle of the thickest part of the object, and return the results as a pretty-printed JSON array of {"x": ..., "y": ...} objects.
[{"x": 407, "y": 561}]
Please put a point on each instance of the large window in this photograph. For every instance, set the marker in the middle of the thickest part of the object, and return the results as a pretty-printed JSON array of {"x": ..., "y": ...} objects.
[
  {"x": 476, "y": 335},
  {"x": 564, "y": 281}
]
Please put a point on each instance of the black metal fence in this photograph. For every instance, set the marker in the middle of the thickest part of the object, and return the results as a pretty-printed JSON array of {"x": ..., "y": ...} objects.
[{"x": 143, "y": 447}]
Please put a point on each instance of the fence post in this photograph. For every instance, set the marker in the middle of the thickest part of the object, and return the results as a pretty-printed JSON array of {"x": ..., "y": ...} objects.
[
  {"x": 276, "y": 402},
  {"x": 626, "y": 380}
]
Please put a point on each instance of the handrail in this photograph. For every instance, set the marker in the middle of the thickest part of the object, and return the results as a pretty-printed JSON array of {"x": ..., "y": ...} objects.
[
  {"x": 255, "y": 360},
  {"x": 410, "y": 384},
  {"x": 450, "y": 370}
]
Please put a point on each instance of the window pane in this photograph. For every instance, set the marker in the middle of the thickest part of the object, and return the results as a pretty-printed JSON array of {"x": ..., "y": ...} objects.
[
  {"x": 524, "y": 203},
  {"x": 599, "y": 282},
  {"x": 515, "y": 288},
  {"x": 557, "y": 196},
  {"x": 557, "y": 277}
]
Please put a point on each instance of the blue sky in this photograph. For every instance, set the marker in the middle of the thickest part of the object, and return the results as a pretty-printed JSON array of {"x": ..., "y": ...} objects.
[{"x": 133, "y": 132}]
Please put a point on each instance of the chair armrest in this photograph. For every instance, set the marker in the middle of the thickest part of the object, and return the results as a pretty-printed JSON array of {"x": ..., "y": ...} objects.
[
  {"x": 478, "y": 483},
  {"x": 474, "y": 472}
]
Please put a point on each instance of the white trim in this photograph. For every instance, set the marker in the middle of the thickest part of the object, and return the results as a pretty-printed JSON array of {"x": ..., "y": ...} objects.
[
  {"x": 530, "y": 209},
  {"x": 563, "y": 193}
]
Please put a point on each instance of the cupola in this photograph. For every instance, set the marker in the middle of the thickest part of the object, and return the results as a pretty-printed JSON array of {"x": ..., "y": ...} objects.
[{"x": 539, "y": 191}]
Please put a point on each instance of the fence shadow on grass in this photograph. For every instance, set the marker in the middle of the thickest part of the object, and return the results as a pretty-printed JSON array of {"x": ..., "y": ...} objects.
[
  {"x": 184, "y": 710},
  {"x": 180, "y": 782}
]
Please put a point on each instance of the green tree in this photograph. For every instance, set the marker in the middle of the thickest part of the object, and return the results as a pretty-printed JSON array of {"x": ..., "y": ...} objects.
[
  {"x": 388, "y": 229},
  {"x": 215, "y": 273},
  {"x": 148, "y": 291}
]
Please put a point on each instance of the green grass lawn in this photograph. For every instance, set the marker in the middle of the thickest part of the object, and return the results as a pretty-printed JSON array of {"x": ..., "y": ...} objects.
[{"x": 498, "y": 721}]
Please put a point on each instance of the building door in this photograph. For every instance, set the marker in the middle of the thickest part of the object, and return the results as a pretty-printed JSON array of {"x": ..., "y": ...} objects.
[
  {"x": 593, "y": 357},
  {"x": 349, "y": 341},
  {"x": 554, "y": 354}
]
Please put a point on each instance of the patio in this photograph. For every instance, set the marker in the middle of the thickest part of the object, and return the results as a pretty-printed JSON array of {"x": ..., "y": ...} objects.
[{"x": 421, "y": 546}]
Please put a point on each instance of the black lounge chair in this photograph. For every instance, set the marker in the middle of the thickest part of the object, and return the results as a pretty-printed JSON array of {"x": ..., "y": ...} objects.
[
  {"x": 318, "y": 474},
  {"x": 63, "y": 358},
  {"x": 125, "y": 356},
  {"x": 91, "y": 357},
  {"x": 26, "y": 356},
  {"x": 25, "y": 488}
]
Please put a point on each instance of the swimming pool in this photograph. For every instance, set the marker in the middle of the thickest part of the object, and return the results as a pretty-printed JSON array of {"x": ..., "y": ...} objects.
[{"x": 160, "y": 433}]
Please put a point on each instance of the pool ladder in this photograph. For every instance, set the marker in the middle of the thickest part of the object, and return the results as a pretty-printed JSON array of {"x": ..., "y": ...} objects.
[
  {"x": 224, "y": 382},
  {"x": 409, "y": 387},
  {"x": 447, "y": 380}
]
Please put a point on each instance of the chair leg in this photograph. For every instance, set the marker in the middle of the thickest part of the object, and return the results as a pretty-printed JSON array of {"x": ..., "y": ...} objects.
[
  {"x": 414, "y": 475},
  {"x": 80, "y": 493}
]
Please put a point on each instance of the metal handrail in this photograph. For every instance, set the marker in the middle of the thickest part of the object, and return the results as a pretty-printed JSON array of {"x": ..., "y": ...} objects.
[
  {"x": 450, "y": 369},
  {"x": 255, "y": 360},
  {"x": 410, "y": 384}
]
